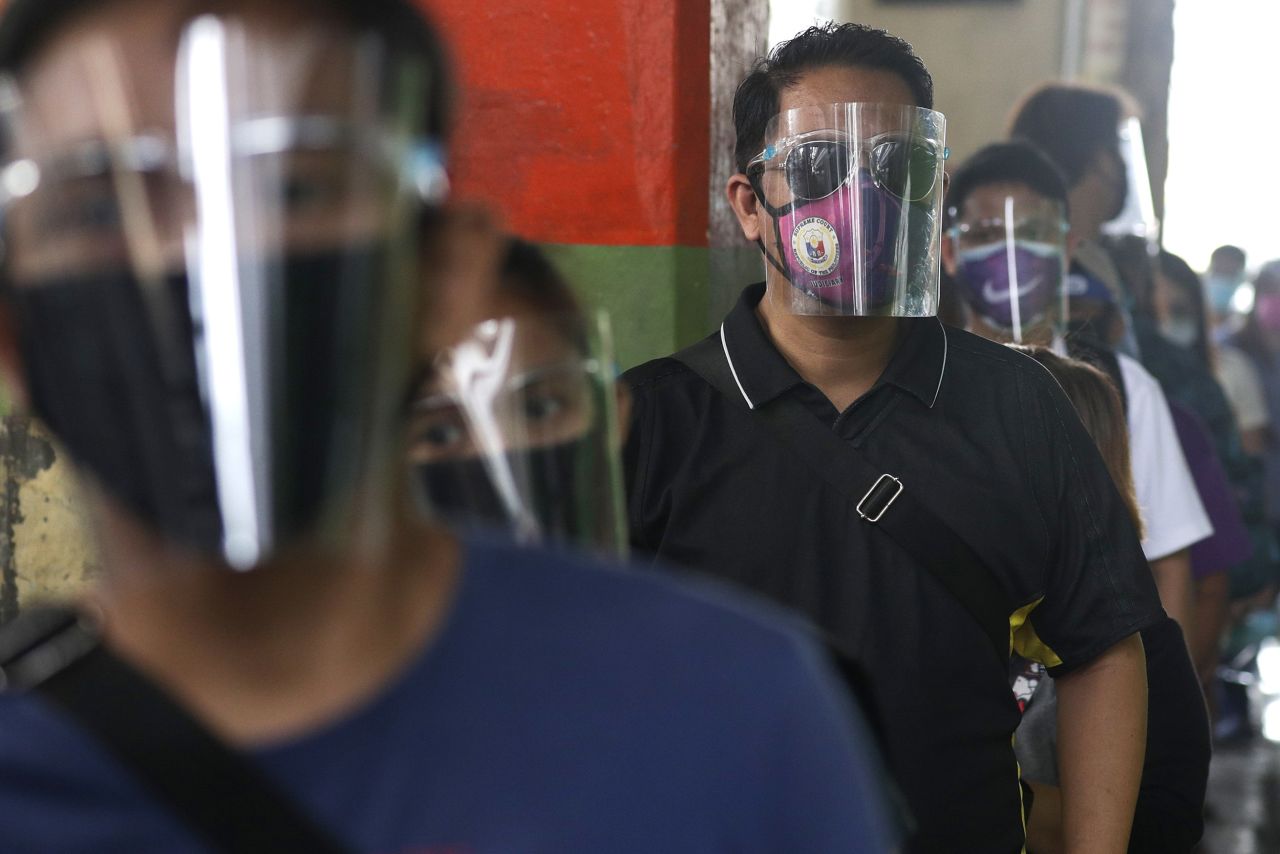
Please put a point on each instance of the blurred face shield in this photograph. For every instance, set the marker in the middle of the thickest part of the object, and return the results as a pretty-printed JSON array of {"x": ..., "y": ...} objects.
[
  {"x": 207, "y": 259},
  {"x": 1011, "y": 262},
  {"x": 517, "y": 429},
  {"x": 1137, "y": 214},
  {"x": 854, "y": 196}
]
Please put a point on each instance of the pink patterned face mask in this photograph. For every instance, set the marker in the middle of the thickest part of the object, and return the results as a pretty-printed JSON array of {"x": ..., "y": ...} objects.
[{"x": 840, "y": 249}]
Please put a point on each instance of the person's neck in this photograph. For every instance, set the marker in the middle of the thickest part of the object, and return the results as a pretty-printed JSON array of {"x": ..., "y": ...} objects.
[
  {"x": 841, "y": 356},
  {"x": 271, "y": 653}
]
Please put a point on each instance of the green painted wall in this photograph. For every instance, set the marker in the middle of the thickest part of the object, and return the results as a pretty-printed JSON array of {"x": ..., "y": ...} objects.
[
  {"x": 660, "y": 298},
  {"x": 656, "y": 296}
]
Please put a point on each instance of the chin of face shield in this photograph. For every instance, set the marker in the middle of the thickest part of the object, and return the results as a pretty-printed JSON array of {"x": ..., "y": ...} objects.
[
  {"x": 853, "y": 192},
  {"x": 212, "y": 303},
  {"x": 1011, "y": 262},
  {"x": 516, "y": 430}
]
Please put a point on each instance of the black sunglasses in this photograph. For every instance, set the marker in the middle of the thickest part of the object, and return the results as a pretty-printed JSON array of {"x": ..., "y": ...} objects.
[{"x": 904, "y": 166}]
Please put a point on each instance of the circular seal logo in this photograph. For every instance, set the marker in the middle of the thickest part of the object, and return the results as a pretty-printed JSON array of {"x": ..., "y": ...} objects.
[{"x": 815, "y": 246}]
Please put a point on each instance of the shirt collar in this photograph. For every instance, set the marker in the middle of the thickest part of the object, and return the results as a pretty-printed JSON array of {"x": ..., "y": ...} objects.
[{"x": 917, "y": 366}]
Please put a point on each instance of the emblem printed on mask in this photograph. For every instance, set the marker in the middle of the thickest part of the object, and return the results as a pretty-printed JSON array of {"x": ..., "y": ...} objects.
[{"x": 815, "y": 246}]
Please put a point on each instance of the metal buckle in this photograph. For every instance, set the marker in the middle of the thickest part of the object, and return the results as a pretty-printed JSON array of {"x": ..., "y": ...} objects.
[{"x": 877, "y": 512}]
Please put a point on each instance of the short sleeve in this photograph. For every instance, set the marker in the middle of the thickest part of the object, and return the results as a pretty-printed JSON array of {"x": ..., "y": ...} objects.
[
  {"x": 1243, "y": 389},
  {"x": 1171, "y": 508},
  {"x": 1097, "y": 586}
]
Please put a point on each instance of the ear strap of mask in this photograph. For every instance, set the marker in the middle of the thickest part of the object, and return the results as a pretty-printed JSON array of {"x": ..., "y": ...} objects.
[
  {"x": 778, "y": 264},
  {"x": 214, "y": 789}
]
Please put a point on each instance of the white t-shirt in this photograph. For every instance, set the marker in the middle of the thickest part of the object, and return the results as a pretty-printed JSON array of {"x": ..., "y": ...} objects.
[
  {"x": 1240, "y": 383},
  {"x": 1171, "y": 508}
]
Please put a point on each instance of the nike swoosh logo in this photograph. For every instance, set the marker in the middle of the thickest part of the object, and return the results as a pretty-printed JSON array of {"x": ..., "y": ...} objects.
[{"x": 990, "y": 294}]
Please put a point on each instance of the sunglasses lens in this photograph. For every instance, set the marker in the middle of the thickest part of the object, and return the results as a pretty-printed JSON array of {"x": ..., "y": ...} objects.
[
  {"x": 817, "y": 169},
  {"x": 908, "y": 169}
]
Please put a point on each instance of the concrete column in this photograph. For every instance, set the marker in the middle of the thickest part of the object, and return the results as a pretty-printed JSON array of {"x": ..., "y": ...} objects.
[
  {"x": 586, "y": 125},
  {"x": 44, "y": 550},
  {"x": 739, "y": 31}
]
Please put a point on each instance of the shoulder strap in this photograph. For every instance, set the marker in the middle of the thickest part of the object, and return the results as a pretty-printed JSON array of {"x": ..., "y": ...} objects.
[
  {"x": 882, "y": 501},
  {"x": 216, "y": 791}
]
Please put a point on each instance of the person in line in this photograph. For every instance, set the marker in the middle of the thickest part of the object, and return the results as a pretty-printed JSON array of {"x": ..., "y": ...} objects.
[
  {"x": 1078, "y": 127},
  {"x": 210, "y": 209},
  {"x": 1006, "y": 249},
  {"x": 1259, "y": 340},
  {"x": 1008, "y": 197},
  {"x": 1190, "y": 380},
  {"x": 1183, "y": 318},
  {"x": 1223, "y": 281},
  {"x": 516, "y": 424},
  {"x": 1169, "y": 818},
  {"x": 820, "y": 444},
  {"x": 1221, "y": 564}
]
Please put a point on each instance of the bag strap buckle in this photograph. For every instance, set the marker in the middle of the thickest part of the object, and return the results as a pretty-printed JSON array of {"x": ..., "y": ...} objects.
[
  {"x": 879, "y": 498},
  {"x": 42, "y": 642}
]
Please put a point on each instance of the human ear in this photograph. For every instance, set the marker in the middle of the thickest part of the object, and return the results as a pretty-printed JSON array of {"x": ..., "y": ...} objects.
[{"x": 742, "y": 198}]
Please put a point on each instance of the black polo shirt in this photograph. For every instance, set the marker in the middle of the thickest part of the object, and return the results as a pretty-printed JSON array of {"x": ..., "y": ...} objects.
[{"x": 989, "y": 442}]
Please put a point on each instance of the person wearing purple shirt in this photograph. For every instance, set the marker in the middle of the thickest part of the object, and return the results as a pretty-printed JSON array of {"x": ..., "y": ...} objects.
[{"x": 1213, "y": 556}]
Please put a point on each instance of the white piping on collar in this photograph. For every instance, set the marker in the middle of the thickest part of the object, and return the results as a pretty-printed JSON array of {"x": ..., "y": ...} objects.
[
  {"x": 943, "y": 372},
  {"x": 724, "y": 345}
]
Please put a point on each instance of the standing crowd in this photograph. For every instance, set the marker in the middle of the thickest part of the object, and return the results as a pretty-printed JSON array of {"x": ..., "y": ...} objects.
[{"x": 937, "y": 543}]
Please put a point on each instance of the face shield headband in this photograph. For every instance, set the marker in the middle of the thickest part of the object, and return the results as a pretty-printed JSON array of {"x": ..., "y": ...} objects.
[
  {"x": 853, "y": 192},
  {"x": 214, "y": 292}
]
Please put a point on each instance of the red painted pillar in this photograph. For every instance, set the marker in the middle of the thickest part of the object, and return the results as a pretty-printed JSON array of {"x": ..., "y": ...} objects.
[{"x": 586, "y": 125}]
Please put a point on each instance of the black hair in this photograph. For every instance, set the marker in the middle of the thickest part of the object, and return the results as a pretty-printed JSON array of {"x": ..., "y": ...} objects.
[
  {"x": 27, "y": 24},
  {"x": 1071, "y": 123},
  {"x": 850, "y": 45},
  {"x": 1016, "y": 162},
  {"x": 528, "y": 276},
  {"x": 1228, "y": 253}
]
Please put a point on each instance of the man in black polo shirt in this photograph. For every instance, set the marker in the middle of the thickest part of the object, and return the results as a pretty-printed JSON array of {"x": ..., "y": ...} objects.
[{"x": 835, "y": 448}]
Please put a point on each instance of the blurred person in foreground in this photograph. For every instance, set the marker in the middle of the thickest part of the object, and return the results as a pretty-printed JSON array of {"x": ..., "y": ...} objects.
[{"x": 211, "y": 214}]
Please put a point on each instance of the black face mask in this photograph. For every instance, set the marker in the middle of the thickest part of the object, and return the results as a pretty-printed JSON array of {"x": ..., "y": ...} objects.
[
  {"x": 550, "y": 481},
  {"x": 116, "y": 370}
]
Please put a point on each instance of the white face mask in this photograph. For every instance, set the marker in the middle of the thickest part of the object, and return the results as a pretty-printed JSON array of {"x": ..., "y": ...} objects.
[{"x": 1183, "y": 331}]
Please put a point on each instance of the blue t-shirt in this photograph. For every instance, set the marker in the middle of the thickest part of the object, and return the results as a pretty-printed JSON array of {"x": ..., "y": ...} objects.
[{"x": 563, "y": 707}]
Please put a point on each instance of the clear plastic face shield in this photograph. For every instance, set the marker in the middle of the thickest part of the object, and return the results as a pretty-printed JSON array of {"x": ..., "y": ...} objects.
[
  {"x": 1011, "y": 263},
  {"x": 853, "y": 197},
  {"x": 516, "y": 428},
  {"x": 207, "y": 260},
  {"x": 1137, "y": 218}
]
